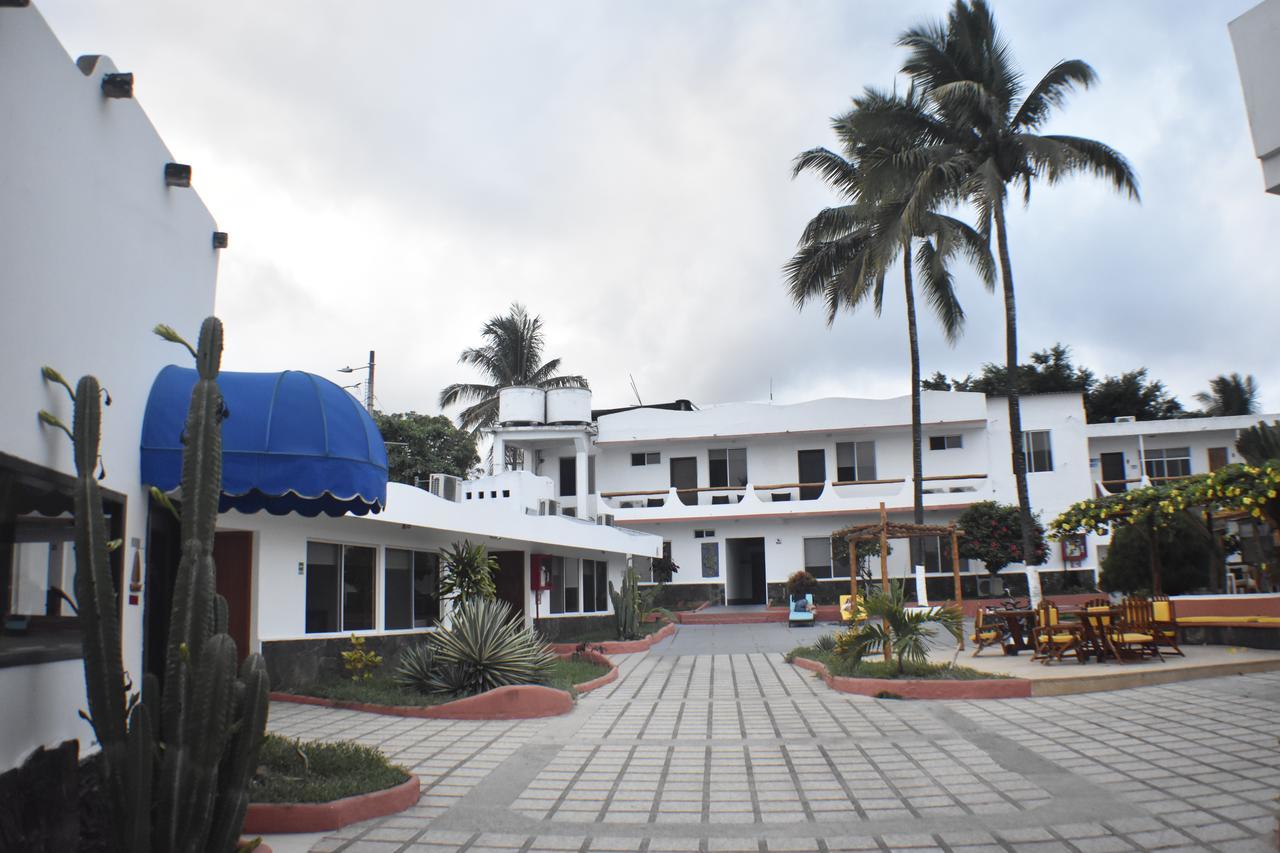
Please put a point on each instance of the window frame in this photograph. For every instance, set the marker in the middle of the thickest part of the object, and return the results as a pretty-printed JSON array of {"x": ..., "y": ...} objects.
[
  {"x": 560, "y": 569},
  {"x": 1159, "y": 458},
  {"x": 721, "y": 471},
  {"x": 826, "y": 572},
  {"x": 857, "y": 469},
  {"x": 949, "y": 441},
  {"x": 599, "y": 575},
  {"x": 416, "y": 622},
  {"x": 340, "y": 583},
  {"x": 1029, "y": 451},
  {"x": 646, "y": 457}
]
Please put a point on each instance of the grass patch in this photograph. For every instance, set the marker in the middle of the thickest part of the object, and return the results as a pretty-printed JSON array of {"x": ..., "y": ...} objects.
[
  {"x": 381, "y": 690},
  {"x": 329, "y": 771},
  {"x": 868, "y": 668}
]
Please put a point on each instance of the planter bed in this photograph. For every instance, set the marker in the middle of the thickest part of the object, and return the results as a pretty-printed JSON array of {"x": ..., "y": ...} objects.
[
  {"x": 620, "y": 647},
  {"x": 513, "y": 702},
  {"x": 921, "y": 688}
]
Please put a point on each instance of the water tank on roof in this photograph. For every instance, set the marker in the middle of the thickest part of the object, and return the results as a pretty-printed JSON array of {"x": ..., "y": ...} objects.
[
  {"x": 519, "y": 405},
  {"x": 568, "y": 406}
]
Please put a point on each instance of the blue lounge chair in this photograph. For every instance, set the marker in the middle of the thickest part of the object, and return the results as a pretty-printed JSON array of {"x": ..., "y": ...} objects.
[{"x": 801, "y": 610}]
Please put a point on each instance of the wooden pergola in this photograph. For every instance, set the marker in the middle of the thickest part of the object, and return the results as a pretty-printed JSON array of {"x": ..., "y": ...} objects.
[{"x": 884, "y": 530}]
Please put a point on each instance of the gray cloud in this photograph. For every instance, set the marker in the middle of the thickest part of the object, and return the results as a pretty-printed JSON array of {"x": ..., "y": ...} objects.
[{"x": 394, "y": 173}]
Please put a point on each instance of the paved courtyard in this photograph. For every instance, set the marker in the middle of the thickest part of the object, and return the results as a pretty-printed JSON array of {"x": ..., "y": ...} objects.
[{"x": 703, "y": 748}]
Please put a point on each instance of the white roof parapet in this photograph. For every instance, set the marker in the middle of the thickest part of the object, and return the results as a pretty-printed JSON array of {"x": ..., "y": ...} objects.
[
  {"x": 1174, "y": 426},
  {"x": 826, "y": 415},
  {"x": 407, "y": 505}
]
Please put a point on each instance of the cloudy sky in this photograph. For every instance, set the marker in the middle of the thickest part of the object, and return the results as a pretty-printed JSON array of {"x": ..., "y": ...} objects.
[{"x": 394, "y": 173}]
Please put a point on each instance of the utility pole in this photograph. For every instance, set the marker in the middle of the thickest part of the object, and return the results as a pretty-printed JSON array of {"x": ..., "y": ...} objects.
[{"x": 368, "y": 388}]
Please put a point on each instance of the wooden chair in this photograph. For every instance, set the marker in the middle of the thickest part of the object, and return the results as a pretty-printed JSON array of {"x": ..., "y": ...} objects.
[
  {"x": 1052, "y": 638},
  {"x": 987, "y": 633},
  {"x": 1098, "y": 630},
  {"x": 1166, "y": 624},
  {"x": 1136, "y": 629}
]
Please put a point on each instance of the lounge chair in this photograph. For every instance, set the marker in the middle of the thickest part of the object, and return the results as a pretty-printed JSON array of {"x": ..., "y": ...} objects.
[
  {"x": 1166, "y": 624},
  {"x": 801, "y": 610},
  {"x": 987, "y": 633},
  {"x": 852, "y": 612}
]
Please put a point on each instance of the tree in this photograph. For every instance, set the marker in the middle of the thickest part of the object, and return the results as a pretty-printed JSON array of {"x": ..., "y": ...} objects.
[
  {"x": 1130, "y": 395},
  {"x": 421, "y": 445},
  {"x": 992, "y": 532},
  {"x": 1049, "y": 371},
  {"x": 1186, "y": 553},
  {"x": 511, "y": 355},
  {"x": 845, "y": 252},
  {"x": 977, "y": 128},
  {"x": 467, "y": 573},
  {"x": 1230, "y": 395},
  {"x": 1259, "y": 443}
]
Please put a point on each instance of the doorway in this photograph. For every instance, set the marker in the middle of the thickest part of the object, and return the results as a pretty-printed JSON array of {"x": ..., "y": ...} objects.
[
  {"x": 1113, "y": 473},
  {"x": 233, "y": 555},
  {"x": 811, "y": 467},
  {"x": 509, "y": 580},
  {"x": 744, "y": 581},
  {"x": 684, "y": 475}
]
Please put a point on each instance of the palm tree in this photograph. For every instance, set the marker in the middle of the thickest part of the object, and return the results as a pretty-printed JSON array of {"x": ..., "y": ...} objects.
[
  {"x": 845, "y": 251},
  {"x": 896, "y": 631},
  {"x": 1230, "y": 395},
  {"x": 511, "y": 355},
  {"x": 977, "y": 129}
]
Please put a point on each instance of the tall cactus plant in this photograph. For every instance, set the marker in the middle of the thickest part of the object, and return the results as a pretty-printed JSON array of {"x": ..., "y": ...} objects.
[
  {"x": 176, "y": 762},
  {"x": 626, "y": 606}
]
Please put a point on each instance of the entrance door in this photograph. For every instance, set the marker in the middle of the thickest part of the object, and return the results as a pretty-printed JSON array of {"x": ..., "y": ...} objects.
[
  {"x": 684, "y": 475},
  {"x": 744, "y": 578},
  {"x": 812, "y": 468},
  {"x": 509, "y": 579},
  {"x": 1113, "y": 473},
  {"x": 233, "y": 555}
]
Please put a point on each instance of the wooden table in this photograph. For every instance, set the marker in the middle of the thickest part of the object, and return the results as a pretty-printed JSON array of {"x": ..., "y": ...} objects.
[{"x": 1021, "y": 628}]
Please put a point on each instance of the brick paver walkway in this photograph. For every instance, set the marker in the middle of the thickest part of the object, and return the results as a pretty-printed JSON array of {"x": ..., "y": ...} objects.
[{"x": 743, "y": 752}]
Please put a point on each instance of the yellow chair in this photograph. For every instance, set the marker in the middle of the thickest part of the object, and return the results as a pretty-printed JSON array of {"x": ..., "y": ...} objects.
[
  {"x": 986, "y": 634},
  {"x": 1165, "y": 624},
  {"x": 1052, "y": 638},
  {"x": 1136, "y": 630},
  {"x": 848, "y": 613}
]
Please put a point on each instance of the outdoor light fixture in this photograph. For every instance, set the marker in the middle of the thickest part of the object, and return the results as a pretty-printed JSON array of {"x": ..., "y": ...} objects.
[
  {"x": 368, "y": 388},
  {"x": 117, "y": 85},
  {"x": 177, "y": 175},
  {"x": 219, "y": 239}
]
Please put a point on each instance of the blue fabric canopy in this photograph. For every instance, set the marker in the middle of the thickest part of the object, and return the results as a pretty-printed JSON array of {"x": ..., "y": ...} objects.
[{"x": 292, "y": 443}]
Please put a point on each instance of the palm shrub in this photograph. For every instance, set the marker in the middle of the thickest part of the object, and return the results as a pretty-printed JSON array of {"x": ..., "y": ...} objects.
[
  {"x": 896, "y": 631},
  {"x": 467, "y": 572},
  {"x": 488, "y": 649}
]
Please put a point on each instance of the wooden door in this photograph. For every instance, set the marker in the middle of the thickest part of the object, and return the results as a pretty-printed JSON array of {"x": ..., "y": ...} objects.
[
  {"x": 684, "y": 475},
  {"x": 1217, "y": 458},
  {"x": 233, "y": 555}
]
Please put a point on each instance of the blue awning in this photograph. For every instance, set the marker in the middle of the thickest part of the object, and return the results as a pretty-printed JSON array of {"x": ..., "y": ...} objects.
[{"x": 292, "y": 443}]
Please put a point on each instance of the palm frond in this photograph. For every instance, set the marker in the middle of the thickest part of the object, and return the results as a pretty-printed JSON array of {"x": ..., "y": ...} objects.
[
  {"x": 837, "y": 172},
  {"x": 1052, "y": 91},
  {"x": 462, "y": 392},
  {"x": 939, "y": 290},
  {"x": 1100, "y": 160}
]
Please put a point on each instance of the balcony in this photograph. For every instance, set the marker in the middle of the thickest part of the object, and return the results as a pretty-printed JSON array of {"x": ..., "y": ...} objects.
[{"x": 828, "y": 497}]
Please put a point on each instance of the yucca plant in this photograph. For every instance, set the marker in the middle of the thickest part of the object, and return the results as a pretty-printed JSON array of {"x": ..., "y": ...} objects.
[
  {"x": 894, "y": 630},
  {"x": 489, "y": 647}
]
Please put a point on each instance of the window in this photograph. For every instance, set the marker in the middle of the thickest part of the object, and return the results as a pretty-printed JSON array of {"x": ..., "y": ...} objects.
[
  {"x": 564, "y": 585},
  {"x": 339, "y": 587},
  {"x": 37, "y": 551},
  {"x": 1167, "y": 463},
  {"x": 568, "y": 476},
  {"x": 1038, "y": 450},
  {"x": 727, "y": 467},
  {"x": 412, "y": 588},
  {"x": 855, "y": 460},
  {"x": 946, "y": 442},
  {"x": 704, "y": 534},
  {"x": 935, "y": 555},
  {"x": 638, "y": 459},
  {"x": 817, "y": 556},
  {"x": 595, "y": 586}
]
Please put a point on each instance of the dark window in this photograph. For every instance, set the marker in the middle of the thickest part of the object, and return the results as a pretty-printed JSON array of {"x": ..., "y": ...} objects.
[
  {"x": 812, "y": 468},
  {"x": 1168, "y": 463},
  {"x": 568, "y": 476},
  {"x": 935, "y": 554},
  {"x": 817, "y": 556},
  {"x": 595, "y": 586},
  {"x": 357, "y": 583},
  {"x": 591, "y": 475},
  {"x": 1038, "y": 450},
  {"x": 564, "y": 585},
  {"x": 412, "y": 588},
  {"x": 638, "y": 459},
  {"x": 323, "y": 562},
  {"x": 779, "y": 497},
  {"x": 727, "y": 467},
  {"x": 946, "y": 442},
  {"x": 339, "y": 605},
  {"x": 719, "y": 499},
  {"x": 855, "y": 460}
]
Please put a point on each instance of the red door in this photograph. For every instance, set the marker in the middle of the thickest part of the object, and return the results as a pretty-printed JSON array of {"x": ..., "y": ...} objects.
[{"x": 233, "y": 555}]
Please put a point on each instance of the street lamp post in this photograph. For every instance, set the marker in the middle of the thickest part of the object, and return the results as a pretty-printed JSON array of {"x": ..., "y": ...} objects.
[{"x": 368, "y": 388}]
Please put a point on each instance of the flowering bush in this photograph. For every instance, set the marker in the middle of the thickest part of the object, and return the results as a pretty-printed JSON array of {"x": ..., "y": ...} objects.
[
  {"x": 992, "y": 532},
  {"x": 800, "y": 584}
]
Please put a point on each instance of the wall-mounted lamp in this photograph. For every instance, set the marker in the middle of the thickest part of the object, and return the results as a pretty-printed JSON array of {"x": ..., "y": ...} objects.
[
  {"x": 220, "y": 239},
  {"x": 117, "y": 85},
  {"x": 177, "y": 175}
]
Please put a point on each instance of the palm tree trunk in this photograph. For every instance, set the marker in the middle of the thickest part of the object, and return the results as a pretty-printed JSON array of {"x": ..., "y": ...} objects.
[
  {"x": 913, "y": 337},
  {"x": 1012, "y": 377}
]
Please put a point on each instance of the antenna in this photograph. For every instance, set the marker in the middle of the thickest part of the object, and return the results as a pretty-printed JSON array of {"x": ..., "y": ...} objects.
[
  {"x": 634, "y": 389},
  {"x": 770, "y": 389}
]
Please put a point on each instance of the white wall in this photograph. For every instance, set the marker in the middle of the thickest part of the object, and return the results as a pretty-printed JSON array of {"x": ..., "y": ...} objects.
[
  {"x": 95, "y": 251},
  {"x": 1256, "y": 37}
]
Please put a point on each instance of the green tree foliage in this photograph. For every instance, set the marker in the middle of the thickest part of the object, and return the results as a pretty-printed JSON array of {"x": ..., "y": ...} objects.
[
  {"x": 421, "y": 445},
  {"x": 992, "y": 532},
  {"x": 1131, "y": 394},
  {"x": 1230, "y": 395},
  {"x": 1260, "y": 443},
  {"x": 1185, "y": 555},
  {"x": 896, "y": 631},
  {"x": 467, "y": 573},
  {"x": 512, "y": 354}
]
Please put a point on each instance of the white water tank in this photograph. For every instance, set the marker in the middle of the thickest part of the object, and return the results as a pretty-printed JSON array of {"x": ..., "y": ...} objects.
[
  {"x": 520, "y": 405},
  {"x": 569, "y": 406}
]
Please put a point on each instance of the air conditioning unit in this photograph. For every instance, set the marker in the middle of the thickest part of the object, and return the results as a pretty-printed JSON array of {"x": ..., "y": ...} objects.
[
  {"x": 546, "y": 506},
  {"x": 1126, "y": 419},
  {"x": 990, "y": 587},
  {"x": 446, "y": 486},
  {"x": 605, "y": 519}
]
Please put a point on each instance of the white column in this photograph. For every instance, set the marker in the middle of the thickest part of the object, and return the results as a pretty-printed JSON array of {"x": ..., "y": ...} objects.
[
  {"x": 580, "y": 463},
  {"x": 499, "y": 455},
  {"x": 1033, "y": 585}
]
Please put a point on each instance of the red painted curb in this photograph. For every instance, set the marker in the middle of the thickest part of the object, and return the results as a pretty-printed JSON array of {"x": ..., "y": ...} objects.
[
  {"x": 595, "y": 657},
  {"x": 317, "y": 817},
  {"x": 920, "y": 688},
  {"x": 622, "y": 647}
]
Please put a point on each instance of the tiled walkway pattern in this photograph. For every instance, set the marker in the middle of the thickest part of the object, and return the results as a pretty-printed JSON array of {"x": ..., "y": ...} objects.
[{"x": 743, "y": 752}]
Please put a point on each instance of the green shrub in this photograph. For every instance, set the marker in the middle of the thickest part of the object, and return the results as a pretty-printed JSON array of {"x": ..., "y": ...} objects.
[
  {"x": 489, "y": 649},
  {"x": 415, "y": 667},
  {"x": 358, "y": 661},
  {"x": 1185, "y": 555},
  {"x": 892, "y": 629},
  {"x": 800, "y": 584},
  {"x": 292, "y": 771}
]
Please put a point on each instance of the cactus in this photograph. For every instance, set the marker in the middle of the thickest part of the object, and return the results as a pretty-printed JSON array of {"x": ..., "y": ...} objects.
[
  {"x": 176, "y": 761},
  {"x": 626, "y": 606}
]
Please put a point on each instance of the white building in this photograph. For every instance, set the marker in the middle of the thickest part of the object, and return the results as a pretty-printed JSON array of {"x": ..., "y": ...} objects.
[{"x": 1256, "y": 37}]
